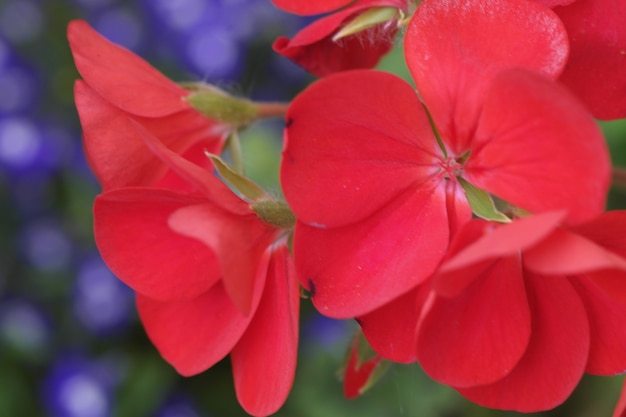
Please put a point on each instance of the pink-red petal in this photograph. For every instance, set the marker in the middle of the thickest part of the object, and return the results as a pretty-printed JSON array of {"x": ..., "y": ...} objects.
[
  {"x": 355, "y": 269},
  {"x": 307, "y": 7},
  {"x": 193, "y": 335},
  {"x": 239, "y": 242},
  {"x": 597, "y": 63},
  {"x": 121, "y": 77},
  {"x": 537, "y": 147},
  {"x": 607, "y": 353},
  {"x": 264, "y": 359},
  {"x": 116, "y": 152},
  {"x": 490, "y": 242},
  {"x": 455, "y": 48},
  {"x": 556, "y": 356},
  {"x": 479, "y": 336},
  {"x": 566, "y": 253},
  {"x": 133, "y": 236},
  {"x": 349, "y": 149},
  {"x": 391, "y": 329}
]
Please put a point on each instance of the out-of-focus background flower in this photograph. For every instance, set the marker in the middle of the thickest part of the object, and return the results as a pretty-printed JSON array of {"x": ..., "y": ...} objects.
[{"x": 70, "y": 341}]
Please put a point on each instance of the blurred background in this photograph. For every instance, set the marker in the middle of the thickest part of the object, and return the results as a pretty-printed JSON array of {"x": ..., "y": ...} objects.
[{"x": 70, "y": 341}]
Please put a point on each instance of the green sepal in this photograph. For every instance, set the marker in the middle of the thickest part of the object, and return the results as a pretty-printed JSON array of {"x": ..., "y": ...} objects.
[
  {"x": 481, "y": 203},
  {"x": 366, "y": 20},
  {"x": 245, "y": 187},
  {"x": 221, "y": 106},
  {"x": 274, "y": 212}
]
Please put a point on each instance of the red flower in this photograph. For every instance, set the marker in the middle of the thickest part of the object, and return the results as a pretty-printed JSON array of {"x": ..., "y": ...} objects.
[
  {"x": 596, "y": 69},
  {"x": 518, "y": 312},
  {"x": 211, "y": 278},
  {"x": 377, "y": 199},
  {"x": 315, "y": 50},
  {"x": 118, "y": 88}
]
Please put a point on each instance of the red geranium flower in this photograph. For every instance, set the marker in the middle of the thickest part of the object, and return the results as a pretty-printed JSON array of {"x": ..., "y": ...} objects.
[
  {"x": 118, "y": 88},
  {"x": 315, "y": 50},
  {"x": 211, "y": 277},
  {"x": 378, "y": 198},
  {"x": 518, "y": 312}
]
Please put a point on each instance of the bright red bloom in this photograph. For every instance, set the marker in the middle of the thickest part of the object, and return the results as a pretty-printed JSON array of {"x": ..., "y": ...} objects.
[
  {"x": 377, "y": 199},
  {"x": 314, "y": 49},
  {"x": 596, "y": 69},
  {"x": 118, "y": 88},
  {"x": 518, "y": 312},
  {"x": 211, "y": 278}
]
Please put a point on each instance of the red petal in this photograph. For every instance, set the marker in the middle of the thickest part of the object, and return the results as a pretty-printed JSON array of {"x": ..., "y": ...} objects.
[
  {"x": 239, "y": 242},
  {"x": 607, "y": 353},
  {"x": 597, "y": 61},
  {"x": 496, "y": 242},
  {"x": 454, "y": 49},
  {"x": 264, "y": 360},
  {"x": 306, "y": 7},
  {"x": 132, "y": 233},
  {"x": 121, "y": 77},
  {"x": 391, "y": 337},
  {"x": 314, "y": 49},
  {"x": 537, "y": 148},
  {"x": 202, "y": 179},
  {"x": 193, "y": 335},
  {"x": 607, "y": 230},
  {"x": 565, "y": 253},
  {"x": 355, "y": 269},
  {"x": 556, "y": 356},
  {"x": 347, "y": 158},
  {"x": 115, "y": 151},
  {"x": 479, "y": 336}
]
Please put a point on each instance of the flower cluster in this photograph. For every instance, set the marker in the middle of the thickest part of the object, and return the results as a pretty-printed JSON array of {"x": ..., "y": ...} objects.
[{"x": 460, "y": 221}]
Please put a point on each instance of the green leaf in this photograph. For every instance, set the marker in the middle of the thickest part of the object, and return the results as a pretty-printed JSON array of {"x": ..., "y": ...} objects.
[
  {"x": 366, "y": 20},
  {"x": 481, "y": 203}
]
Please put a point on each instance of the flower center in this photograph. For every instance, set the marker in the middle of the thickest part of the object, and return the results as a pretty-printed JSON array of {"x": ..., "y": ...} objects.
[{"x": 451, "y": 168}]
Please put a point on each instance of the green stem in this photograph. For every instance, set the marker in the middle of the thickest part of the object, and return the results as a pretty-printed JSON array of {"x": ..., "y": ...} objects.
[
  {"x": 236, "y": 154},
  {"x": 266, "y": 110}
]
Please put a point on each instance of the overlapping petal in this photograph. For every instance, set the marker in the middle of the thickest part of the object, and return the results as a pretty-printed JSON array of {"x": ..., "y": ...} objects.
[
  {"x": 536, "y": 147},
  {"x": 264, "y": 359},
  {"x": 115, "y": 151},
  {"x": 134, "y": 238},
  {"x": 195, "y": 334},
  {"x": 223, "y": 231},
  {"x": 121, "y": 77},
  {"x": 479, "y": 336},
  {"x": 391, "y": 338},
  {"x": 556, "y": 355},
  {"x": 346, "y": 154},
  {"x": 455, "y": 48},
  {"x": 352, "y": 270}
]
